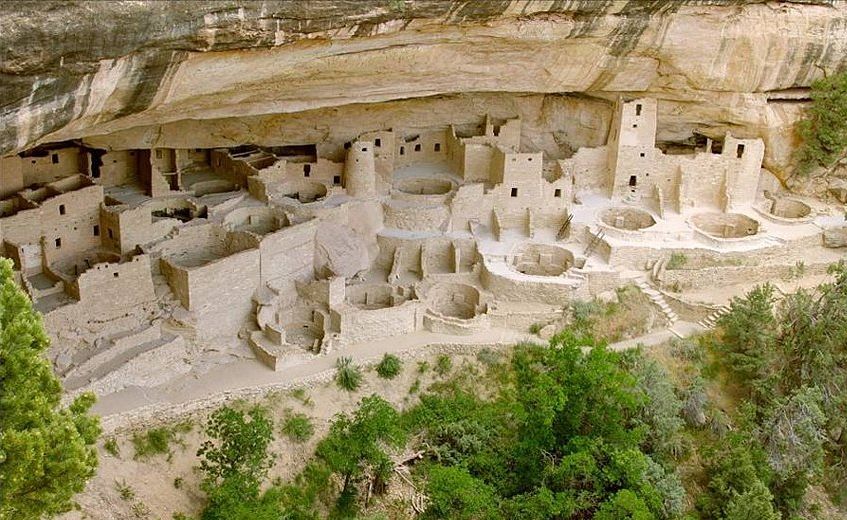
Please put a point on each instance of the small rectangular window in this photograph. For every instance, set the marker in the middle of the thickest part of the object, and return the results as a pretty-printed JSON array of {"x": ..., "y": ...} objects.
[
  {"x": 111, "y": 235},
  {"x": 55, "y": 158},
  {"x": 377, "y": 142},
  {"x": 402, "y": 150},
  {"x": 638, "y": 109},
  {"x": 437, "y": 147},
  {"x": 364, "y": 149},
  {"x": 115, "y": 274},
  {"x": 514, "y": 192},
  {"x": 307, "y": 169},
  {"x": 58, "y": 243},
  {"x": 96, "y": 231},
  {"x": 417, "y": 147},
  {"x": 557, "y": 193},
  {"x": 61, "y": 209},
  {"x": 635, "y": 126},
  {"x": 347, "y": 146},
  {"x": 632, "y": 181},
  {"x": 641, "y": 154},
  {"x": 739, "y": 152},
  {"x": 336, "y": 180}
]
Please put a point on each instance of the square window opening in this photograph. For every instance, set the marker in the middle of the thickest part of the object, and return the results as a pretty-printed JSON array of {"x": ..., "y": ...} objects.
[
  {"x": 58, "y": 243},
  {"x": 437, "y": 147},
  {"x": 336, "y": 179},
  {"x": 417, "y": 147},
  {"x": 557, "y": 192}
]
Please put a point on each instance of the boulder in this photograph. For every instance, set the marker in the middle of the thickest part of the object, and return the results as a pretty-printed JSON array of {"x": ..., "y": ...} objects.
[
  {"x": 835, "y": 236},
  {"x": 339, "y": 251}
]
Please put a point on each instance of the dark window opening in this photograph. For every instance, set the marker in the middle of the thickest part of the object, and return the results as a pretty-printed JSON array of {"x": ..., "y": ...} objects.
[
  {"x": 632, "y": 181},
  {"x": 496, "y": 131},
  {"x": 641, "y": 154},
  {"x": 364, "y": 149},
  {"x": 55, "y": 158},
  {"x": 96, "y": 231},
  {"x": 417, "y": 147},
  {"x": 111, "y": 235},
  {"x": 61, "y": 209},
  {"x": 437, "y": 147},
  {"x": 58, "y": 242},
  {"x": 115, "y": 275},
  {"x": 307, "y": 169},
  {"x": 739, "y": 151},
  {"x": 638, "y": 109},
  {"x": 514, "y": 192},
  {"x": 635, "y": 126},
  {"x": 377, "y": 142},
  {"x": 347, "y": 146},
  {"x": 557, "y": 193},
  {"x": 336, "y": 180},
  {"x": 402, "y": 150}
]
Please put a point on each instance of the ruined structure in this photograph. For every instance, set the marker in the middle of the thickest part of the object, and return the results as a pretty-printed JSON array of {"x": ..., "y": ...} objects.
[{"x": 300, "y": 248}]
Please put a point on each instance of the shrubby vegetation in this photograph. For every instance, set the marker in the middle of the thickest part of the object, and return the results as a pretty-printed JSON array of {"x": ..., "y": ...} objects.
[
  {"x": 790, "y": 358},
  {"x": 46, "y": 450},
  {"x": 559, "y": 433},
  {"x": 389, "y": 367},
  {"x": 824, "y": 131}
]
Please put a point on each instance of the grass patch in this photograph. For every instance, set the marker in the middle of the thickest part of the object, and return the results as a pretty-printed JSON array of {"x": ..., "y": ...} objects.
[
  {"x": 157, "y": 441},
  {"x": 347, "y": 375},
  {"x": 443, "y": 365},
  {"x": 124, "y": 490},
  {"x": 298, "y": 428},
  {"x": 677, "y": 261},
  {"x": 389, "y": 367},
  {"x": 111, "y": 447}
]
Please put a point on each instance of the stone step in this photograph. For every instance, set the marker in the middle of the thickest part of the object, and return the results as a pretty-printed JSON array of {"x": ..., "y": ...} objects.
[{"x": 93, "y": 373}]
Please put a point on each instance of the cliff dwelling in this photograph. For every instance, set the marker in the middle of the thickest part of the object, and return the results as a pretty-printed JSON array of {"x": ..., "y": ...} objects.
[{"x": 304, "y": 249}]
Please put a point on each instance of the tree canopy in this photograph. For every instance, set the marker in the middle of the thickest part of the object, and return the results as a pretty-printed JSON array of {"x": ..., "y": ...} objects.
[{"x": 46, "y": 450}]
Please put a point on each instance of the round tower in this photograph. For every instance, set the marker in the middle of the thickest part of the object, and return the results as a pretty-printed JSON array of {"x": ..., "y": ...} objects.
[{"x": 359, "y": 170}]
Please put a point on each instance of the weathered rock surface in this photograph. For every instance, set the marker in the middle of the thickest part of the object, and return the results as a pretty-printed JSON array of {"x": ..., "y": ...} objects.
[
  {"x": 160, "y": 69},
  {"x": 339, "y": 252},
  {"x": 835, "y": 237}
]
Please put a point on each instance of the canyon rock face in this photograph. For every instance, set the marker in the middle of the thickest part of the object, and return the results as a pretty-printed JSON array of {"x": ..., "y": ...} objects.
[{"x": 203, "y": 73}]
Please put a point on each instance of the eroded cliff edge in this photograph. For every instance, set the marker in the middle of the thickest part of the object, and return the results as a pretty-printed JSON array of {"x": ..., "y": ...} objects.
[{"x": 226, "y": 73}]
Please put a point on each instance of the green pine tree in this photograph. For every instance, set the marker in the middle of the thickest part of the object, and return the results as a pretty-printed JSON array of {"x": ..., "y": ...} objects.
[{"x": 46, "y": 450}]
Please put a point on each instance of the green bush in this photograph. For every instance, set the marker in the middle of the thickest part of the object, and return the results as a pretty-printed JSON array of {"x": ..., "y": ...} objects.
[
  {"x": 676, "y": 261},
  {"x": 111, "y": 447},
  {"x": 347, "y": 375},
  {"x": 152, "y": 442},
  {"x": 443, "y": 365},
  {"x": 298, "y": 427},
  {"x": 157, "y": 441},
  {"x": 389, "y": 367},
  {"x": 824, "y": 131}
]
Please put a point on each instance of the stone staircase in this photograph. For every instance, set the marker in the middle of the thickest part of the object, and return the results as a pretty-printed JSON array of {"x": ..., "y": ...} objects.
[
  {"x": 709, "y": 321},
  {"x": 116, "y": 351},
  {"x": 658, "y": 299}
]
